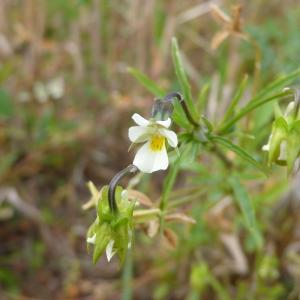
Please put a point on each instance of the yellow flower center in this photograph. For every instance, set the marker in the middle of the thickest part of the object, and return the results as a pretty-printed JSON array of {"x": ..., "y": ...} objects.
[{"x": 157, "y": 142}]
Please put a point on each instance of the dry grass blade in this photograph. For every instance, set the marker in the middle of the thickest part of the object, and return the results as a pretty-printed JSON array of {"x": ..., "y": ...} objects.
[
  {"x": 195, "y": 12},
  {"x": 234, "y": 247},
  {"x": 170, "y": 237},
  {"x": 140, "y": 197},
  {"x": 180, "y": 218},
  {"x": 152, "y": 229}
]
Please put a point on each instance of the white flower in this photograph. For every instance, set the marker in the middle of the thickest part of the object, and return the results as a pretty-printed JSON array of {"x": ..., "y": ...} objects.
[
  {"x": 152, "y": 156},
  {"x": 109, "y": 250}
]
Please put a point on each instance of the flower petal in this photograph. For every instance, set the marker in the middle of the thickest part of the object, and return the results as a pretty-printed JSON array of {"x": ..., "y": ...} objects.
[
  {"x": 166, "y": 123},
  {"x": 109, "y": 250},
  {"x": 138, "y": 119},
  {"x": 92, "y": 239},
  {"x": 289, "y": 108},
  {"x": 171, "y": 137},
  {"x": 149, "y": 161},
  {"x": 267, "y": 146},
  {"x": 283, "y": 151},
  {"x": 138, "y": 134}
]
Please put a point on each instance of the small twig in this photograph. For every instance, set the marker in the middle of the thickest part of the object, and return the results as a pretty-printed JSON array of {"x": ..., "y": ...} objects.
[{"x": 11, "y": 196}]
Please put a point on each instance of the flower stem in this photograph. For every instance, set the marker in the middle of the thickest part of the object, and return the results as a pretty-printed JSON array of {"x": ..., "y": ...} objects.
[
  {"x": 127, "y": 277},
  {"x": 113, "y": 185}
]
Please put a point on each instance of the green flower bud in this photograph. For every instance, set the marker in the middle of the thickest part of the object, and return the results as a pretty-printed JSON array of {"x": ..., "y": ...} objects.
[
  {"x": 293, "y": 144},
  {"x": 112, "y": 231},
  {"x": 278, "y": 135},
  {"x": 284, "y": 142}
]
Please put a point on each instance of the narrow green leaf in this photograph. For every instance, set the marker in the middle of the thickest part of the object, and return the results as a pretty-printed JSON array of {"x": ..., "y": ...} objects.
[
  {"x": 182, "y": 78},
  {"x": 278, "y": 83},
  {"x": 238, "y": 150},
  {"x": 237, "y": 97},
  {"x": 243, "y": 200},
  {"x": 149, "y": 84},
  {"x": 248, "y": 108},
  {"x": 262, "y": 98},
  {"x": 202, "y": 98}
]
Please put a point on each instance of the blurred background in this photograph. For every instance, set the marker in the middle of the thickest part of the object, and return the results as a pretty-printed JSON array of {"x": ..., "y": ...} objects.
[{"x": 66, "y": 100}]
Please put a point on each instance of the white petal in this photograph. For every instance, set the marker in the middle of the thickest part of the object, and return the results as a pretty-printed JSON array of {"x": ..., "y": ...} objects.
[
  {"x": 138, "y": 119},
  {"x": 91, "y": 239},
  {"x": 171, "y": 137},
  {"x": 138, "y": 134},
  {"x": 109, "y": 250},
  {"x": 165, "y": 123},
  {"x": 149, "y": 161},
  {"x": 289, "y": 108},
  {"x": 124, "y": 195},
  {"x": 267, "y": 146},
  {"x": 282, "y": 155}
]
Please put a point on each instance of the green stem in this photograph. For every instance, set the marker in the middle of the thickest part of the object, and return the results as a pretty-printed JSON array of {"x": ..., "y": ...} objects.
[
  {"x": 168, "y": 184},
  {"x": 127, "y": 277}
]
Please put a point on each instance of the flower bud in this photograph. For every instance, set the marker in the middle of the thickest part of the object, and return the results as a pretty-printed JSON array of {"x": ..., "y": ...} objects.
[
  {"x": 112, "y": 232},
  {"x": 284, "y": 142}
]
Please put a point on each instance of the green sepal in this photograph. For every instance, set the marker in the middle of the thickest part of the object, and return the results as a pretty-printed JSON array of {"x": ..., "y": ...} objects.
[
  {"x": 279, "y": 133},
  {"x": 293, "y": 145},
  {"x": 121, "y": 238},
  {"x": 116, "y": 226},
  {"x": 102, "y": 206},
  {"x": 91, "y": 232},
  {"x": 103, "y": 236}
]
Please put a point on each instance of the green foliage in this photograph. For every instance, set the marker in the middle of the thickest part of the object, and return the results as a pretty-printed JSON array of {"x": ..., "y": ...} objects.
[
  {"x": 242, "y": 198},
  {"x": 6, "y": 105},
  {"x": 216, "y": 177}
]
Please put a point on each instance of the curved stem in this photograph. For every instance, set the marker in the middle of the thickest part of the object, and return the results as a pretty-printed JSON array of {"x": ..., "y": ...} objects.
[
  {"x": 113, "y": 185},
  {"x": 180, "y": 98}
]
